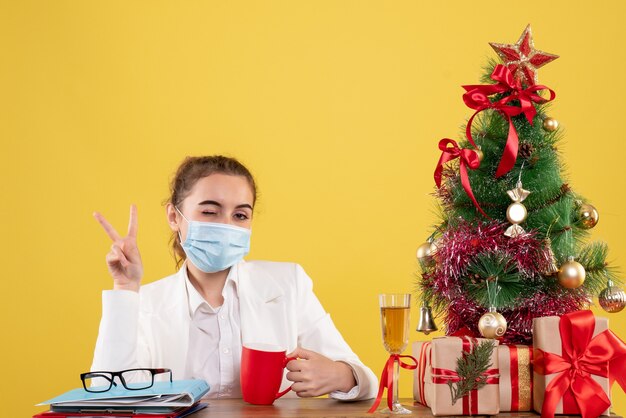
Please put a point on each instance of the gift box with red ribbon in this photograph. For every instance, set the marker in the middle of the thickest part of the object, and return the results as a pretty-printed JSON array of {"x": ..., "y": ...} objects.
[
  {"x": 516, "y": 377},
  {"x": 437, "y": 364},
  {"x": 576, "y": 360}
]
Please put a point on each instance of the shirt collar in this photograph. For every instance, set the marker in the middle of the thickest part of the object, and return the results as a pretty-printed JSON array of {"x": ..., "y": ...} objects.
[{"x": 195, "y": 299}]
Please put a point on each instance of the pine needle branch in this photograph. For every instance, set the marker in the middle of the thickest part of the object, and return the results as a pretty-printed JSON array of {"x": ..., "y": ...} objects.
[{"x": 471, "y": 368}]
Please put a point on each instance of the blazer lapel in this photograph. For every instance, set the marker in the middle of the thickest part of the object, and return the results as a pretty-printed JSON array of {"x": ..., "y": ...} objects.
[
  {"x": 262, "y": 307},
  {"x": 171, "y": 328}
]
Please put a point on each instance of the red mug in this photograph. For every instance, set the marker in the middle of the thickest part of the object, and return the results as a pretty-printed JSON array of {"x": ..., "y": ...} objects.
[{"x": 262, "y": 368}]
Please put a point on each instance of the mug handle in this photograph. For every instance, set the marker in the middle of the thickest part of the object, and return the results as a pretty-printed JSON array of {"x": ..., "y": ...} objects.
[{"x": 287, "y": 360}]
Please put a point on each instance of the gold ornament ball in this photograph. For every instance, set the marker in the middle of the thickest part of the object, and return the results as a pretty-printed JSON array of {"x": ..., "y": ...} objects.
[
  {"x": 612, "y": 299},
  {"x": 550, "y": 124},
  {"x": 434, "y": 246},
  {"x": 571, "y": 275},
  {"x": 492, "y": 325},
  {"x": 516, "y": 213},
  {"x": 588, "y": 216},
  {"x": 424, "y": 251}
]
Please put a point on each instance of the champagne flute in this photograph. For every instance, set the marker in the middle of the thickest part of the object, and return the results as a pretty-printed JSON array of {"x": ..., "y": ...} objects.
[{"x": 394, "y": 317}]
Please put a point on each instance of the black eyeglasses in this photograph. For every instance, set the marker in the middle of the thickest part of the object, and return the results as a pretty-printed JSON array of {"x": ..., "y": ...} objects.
[{"x": 132, "y": 379}]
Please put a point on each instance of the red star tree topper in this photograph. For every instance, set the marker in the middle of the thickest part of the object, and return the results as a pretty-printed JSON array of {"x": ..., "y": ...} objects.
[{"x": 522, "y": 58}]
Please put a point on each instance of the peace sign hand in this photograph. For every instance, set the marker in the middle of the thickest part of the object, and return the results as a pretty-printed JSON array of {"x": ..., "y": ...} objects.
[{"x": 124, "y": 260}]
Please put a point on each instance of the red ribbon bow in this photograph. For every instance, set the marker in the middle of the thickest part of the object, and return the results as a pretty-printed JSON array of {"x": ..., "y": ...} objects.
[
  {"x": 386, "y": 380},
  {"x": 477, "y": 97},
  {"x": 603, "y": 355},
  {"x": 467, "y": 157},
  {"x": 443, "y": 376}
]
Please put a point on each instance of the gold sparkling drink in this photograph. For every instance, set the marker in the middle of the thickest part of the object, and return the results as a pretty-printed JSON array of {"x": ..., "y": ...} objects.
[
  {"x": 395, "y": 325},
  {"x": 394, "y": 320}
]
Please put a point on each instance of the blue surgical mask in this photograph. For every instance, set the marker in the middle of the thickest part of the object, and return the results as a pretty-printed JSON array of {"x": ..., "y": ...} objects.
[{"x": 215, "y": 247}]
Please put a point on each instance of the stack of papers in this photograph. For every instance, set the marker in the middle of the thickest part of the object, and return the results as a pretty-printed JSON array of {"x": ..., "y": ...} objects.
[{"x": 165, "y": 399}]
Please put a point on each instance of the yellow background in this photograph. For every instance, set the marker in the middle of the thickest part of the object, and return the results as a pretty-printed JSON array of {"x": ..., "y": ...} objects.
[{"x": 336, "y": 107}]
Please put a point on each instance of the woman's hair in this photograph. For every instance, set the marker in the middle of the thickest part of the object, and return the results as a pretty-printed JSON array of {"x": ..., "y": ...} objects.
[{"x": 189, "y": 172}]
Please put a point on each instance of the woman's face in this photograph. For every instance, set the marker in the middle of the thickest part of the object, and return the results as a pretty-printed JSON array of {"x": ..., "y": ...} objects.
[{"x": 219, "y": 198}]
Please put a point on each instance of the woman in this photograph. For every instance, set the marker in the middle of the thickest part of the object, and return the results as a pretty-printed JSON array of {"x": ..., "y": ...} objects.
[{"x": 196, "y": 321}]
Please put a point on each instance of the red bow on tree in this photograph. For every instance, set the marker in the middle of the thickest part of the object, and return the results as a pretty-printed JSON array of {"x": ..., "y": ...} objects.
[
  {"x": 603, "y": 355},
  {"x": 467, "y": 158},
  {"x": 477, "y": 97}
]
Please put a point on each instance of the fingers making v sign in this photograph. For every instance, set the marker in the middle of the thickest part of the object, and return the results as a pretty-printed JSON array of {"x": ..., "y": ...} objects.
[{"x": 124, "y": 260}]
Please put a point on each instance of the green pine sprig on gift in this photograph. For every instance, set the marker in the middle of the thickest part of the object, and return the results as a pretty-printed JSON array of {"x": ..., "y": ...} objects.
[{"x": 471, "y": 368}]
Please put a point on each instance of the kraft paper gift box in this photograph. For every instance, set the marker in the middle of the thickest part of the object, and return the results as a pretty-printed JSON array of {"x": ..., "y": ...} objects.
[
  {"x": 445, "y": 352},
  {"x": 421, "y": 351},
  {"x": 547, "y": 337},
  {"x": 516, "y": 377}
]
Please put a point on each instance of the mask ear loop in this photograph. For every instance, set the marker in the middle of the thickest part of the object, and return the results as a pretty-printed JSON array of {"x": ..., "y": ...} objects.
[{"x": 180, "y": 237}]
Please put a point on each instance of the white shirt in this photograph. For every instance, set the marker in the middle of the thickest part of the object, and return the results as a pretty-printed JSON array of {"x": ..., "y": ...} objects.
[{"x": 214, "y": 351}]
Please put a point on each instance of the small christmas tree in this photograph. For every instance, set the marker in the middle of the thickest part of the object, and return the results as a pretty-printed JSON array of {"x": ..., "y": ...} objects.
[{"x": 511, "y": 242}]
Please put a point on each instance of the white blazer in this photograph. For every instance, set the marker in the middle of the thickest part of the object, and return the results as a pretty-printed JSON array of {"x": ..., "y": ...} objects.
[{"x": 277, "y": 306}]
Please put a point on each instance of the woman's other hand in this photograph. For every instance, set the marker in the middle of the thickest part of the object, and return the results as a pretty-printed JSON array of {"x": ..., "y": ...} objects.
[
  {"x": 316, "y": 375},
  {"x": 124, "y": 260}
]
